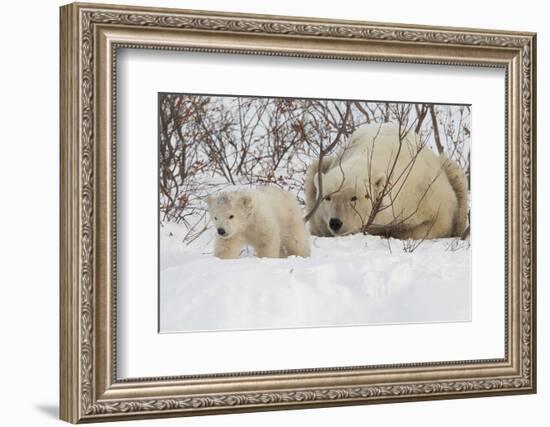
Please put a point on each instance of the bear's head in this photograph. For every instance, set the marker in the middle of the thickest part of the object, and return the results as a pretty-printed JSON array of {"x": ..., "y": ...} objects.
[
  {"x": 229, "y": 212},
  {"x": 348, "y": 196}
]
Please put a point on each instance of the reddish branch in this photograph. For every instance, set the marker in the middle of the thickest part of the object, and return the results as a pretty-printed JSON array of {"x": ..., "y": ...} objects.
[{"x": 437, "y": 137}]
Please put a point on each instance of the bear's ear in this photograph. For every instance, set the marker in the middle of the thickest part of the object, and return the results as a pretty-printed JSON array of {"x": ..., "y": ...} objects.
[
  {"x": 246, "y": 200},
  {"x": 209, "y": 200},
  {"x": 380, "y": 181},
  {"x": 316, "y": 182}
]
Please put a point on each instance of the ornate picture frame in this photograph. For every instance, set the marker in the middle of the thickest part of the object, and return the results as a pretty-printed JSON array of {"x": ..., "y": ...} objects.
[{"x": 90, "y": 37}]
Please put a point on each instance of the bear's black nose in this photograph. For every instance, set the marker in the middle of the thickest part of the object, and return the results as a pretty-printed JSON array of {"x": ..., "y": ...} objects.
[
  {"x": 221, "y": 231},
  {"x": 335, "y": 224}
]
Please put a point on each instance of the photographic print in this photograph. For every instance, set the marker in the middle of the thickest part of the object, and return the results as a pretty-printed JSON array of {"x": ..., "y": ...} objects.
[
  {"x": 310, "y": 213},
  {"x": 292, "y": 213}
]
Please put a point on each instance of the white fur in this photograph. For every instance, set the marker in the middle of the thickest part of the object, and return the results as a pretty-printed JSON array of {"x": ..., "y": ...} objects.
[
  {"x": 428, "y": 197},
  {"x": 267, "y": 218}
]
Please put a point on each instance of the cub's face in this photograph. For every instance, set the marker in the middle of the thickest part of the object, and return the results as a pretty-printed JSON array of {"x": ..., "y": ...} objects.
[
  {"x": 346, "y": 204},
  {"x": 229, "y": 213}
]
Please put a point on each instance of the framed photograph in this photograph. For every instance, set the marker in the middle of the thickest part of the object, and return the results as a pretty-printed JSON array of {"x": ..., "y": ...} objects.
[{"x": 266, "y": 212}]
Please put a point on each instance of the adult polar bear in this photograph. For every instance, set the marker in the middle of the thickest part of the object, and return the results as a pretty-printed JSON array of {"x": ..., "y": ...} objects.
[{"x": 414, "y": 193}]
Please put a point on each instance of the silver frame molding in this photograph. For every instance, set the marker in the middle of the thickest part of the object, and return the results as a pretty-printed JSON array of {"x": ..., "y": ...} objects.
[{"x": 90, "y": 37}]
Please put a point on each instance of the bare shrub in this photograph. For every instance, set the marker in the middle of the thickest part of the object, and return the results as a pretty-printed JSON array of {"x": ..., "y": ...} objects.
[{"x": 208, "y": 143}]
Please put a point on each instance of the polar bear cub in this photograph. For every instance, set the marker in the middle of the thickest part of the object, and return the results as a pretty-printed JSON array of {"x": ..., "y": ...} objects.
[{"x": 267, "y": 218}]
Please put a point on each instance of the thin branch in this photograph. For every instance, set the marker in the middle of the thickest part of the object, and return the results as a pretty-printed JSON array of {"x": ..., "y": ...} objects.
[{"x": 436, "y": 129}]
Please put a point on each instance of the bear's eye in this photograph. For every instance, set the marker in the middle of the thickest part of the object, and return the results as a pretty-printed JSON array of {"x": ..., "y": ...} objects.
[
  {"x": 231, "y": 216},
  {"x": 327, "y": 198},
  {"x": 215, "y": 218},
  {"x": 366, "y": 195},
  {"x": 354, "y": 199}
]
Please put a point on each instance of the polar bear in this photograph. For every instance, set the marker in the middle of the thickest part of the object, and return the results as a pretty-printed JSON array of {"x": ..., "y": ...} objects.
[
  {"x": 267, "y": 218},
  {"x": 383, "y": 186}
]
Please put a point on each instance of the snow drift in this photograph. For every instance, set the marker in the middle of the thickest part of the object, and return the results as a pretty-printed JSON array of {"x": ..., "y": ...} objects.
[{"x": 352, "y": 280}]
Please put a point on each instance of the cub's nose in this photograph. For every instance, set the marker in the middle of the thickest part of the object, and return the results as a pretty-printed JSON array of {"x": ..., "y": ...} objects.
[
  {"x": 221, "y": 231},
  {"x": 335, "y": 224}
]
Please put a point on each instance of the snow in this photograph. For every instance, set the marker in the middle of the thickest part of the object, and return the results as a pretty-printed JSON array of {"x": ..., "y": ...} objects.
[{"x": 351, "y": 280}]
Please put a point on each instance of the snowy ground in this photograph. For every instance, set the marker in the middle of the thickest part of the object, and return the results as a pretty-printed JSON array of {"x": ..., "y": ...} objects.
[{"x": 353, "y": 280}]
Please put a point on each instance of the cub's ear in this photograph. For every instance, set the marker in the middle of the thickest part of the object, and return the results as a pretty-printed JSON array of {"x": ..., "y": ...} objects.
[
  {"x": 209, "y": 200},
  {"x": 246, "y": 200}
]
